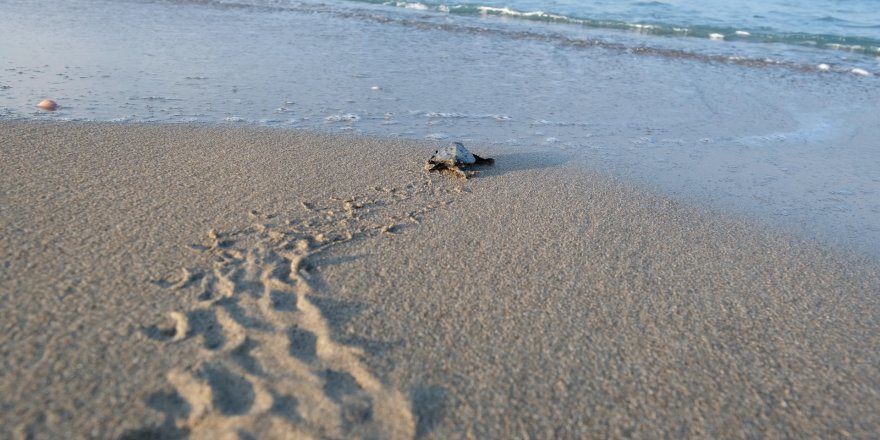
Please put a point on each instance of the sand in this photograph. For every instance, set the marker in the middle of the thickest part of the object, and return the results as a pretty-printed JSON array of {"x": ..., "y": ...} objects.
[{"x": 164, "y": 281}]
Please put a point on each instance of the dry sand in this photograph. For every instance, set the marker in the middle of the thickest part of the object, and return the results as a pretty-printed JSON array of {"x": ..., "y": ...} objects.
[{"x": 165, "y": 281}]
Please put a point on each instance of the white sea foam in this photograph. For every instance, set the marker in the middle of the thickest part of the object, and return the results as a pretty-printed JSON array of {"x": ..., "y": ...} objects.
[
  {"x": 152, "y": 98},
  {"x": 410, "y": 5},
  {"x": 457, "y": 115},
  {"x": 527, "y": 14},
  {"x": 860, "y": 72},
  {"x": 559, "y": 123},
  {"x": 846, "y": 47},
  {"x": 743, "y": 33},
  {"x": 347, "y": 117},
  {"x": 716, "y": 36},
  {"x": 811, "y": 128}
]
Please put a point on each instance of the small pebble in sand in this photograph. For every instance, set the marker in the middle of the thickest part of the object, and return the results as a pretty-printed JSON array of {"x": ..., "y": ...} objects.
[{"x": 47, "y": 104}]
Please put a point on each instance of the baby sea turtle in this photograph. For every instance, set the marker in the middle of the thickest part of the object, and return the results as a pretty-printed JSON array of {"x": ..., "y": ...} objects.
[{"x": 455, "y": 157}]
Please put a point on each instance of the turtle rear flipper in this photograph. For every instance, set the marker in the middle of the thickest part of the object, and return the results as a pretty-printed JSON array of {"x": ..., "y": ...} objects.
[{"x": 483, "y": 160}]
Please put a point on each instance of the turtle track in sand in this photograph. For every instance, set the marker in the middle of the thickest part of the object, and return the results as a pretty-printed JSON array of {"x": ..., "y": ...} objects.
[{"x": 270, "y": 366}]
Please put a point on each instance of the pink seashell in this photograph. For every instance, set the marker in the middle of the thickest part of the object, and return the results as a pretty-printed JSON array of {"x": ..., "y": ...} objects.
[{"x": 47, "y": 104}]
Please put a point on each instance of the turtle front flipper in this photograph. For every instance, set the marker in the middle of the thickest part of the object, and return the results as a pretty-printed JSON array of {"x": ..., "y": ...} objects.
[
  {"x": 435, "y": 166},
  {"x": 457, "y": 172}
]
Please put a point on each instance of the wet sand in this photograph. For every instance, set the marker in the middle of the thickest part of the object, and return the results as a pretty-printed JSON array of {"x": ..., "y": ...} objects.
[{"x": 160, "y": 281}]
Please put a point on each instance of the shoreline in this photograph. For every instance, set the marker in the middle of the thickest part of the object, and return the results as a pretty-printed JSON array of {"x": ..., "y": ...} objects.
[
  {"x": 538, "y": 299},
  {"x": 793, "y": 148}
]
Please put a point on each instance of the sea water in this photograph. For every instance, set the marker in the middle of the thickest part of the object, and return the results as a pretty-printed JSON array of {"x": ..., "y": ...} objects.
[
  {"x": 767, "y": 109},
  {"x": 852, "y": 26}
]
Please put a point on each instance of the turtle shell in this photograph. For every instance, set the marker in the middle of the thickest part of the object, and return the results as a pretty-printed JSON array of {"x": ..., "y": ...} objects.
[
  {"x": 454, "y": 158},
  {"x": 453, "y": 154}
]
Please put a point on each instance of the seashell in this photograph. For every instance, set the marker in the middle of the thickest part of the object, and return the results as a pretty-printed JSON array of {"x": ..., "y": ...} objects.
[{"x": 47, "y": 104}]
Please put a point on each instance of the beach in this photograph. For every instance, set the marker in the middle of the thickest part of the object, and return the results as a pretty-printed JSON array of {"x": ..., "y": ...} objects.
[
  {"x": 217, "y": 281},
  {"x": 752, "y": 129}
]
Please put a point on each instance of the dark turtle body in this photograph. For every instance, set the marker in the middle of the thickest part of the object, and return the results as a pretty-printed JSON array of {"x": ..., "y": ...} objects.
[{"x": 455, "y": 158}]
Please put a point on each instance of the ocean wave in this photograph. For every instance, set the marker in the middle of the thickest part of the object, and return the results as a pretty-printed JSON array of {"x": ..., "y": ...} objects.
[
  {"x": 723, "y": 53},
  {"x": 856, "y": 44}
]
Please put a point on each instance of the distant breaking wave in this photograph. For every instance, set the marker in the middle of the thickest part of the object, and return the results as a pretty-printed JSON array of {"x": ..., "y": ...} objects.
[
  {"x": 860, "y": 45},
  {"x": 867, "y": 47}
]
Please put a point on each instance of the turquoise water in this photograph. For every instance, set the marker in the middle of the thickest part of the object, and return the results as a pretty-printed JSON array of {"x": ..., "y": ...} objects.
[{"x": 827, "y": 24}]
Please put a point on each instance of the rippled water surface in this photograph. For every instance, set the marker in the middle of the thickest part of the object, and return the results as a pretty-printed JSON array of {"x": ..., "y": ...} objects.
[{"x": 852, "y": 26}]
